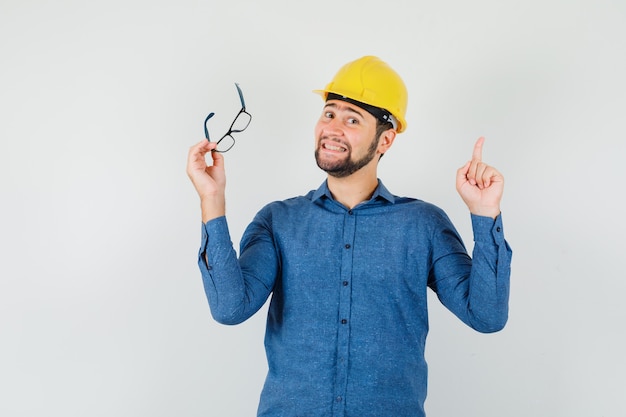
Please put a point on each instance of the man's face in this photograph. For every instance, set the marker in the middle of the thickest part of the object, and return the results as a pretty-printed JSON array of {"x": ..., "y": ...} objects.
[{"x": 345, "y": 138}]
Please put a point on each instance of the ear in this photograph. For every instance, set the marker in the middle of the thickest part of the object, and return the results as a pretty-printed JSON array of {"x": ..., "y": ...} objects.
[{"x": 386, "y": 140}]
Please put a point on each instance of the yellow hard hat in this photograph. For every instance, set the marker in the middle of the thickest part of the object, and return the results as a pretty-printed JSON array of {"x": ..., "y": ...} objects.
[{"x": 371, "y": 81}]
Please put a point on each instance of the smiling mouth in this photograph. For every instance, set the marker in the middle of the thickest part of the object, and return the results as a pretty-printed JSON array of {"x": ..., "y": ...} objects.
[{"x": 333, "y": 147}]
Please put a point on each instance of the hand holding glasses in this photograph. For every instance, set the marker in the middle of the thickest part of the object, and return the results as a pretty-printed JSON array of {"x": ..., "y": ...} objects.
[{"x": 241, "y": 122}]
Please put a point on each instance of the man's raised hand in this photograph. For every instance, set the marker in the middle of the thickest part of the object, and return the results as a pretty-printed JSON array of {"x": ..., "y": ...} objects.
[
  {"x": 208, "y": 180},
  {"x": 480, "y": 185}
]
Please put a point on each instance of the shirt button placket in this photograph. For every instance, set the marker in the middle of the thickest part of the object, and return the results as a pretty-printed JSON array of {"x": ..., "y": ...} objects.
[{"x": 343, "y": 331}]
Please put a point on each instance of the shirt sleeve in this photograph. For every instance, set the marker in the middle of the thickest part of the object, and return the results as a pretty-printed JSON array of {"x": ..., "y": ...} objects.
[
  {"x": 234, "y": 286},
  {"x": 475, "y": 289}
]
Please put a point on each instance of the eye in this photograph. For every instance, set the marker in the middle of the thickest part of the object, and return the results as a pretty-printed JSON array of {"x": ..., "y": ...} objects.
[
  {"x": 353, "y": 121},
  {"x": 328, "y": 115}
]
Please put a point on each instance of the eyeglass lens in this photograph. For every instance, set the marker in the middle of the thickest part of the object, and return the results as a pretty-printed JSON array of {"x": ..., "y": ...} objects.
[{"x": 241, "y": 122}]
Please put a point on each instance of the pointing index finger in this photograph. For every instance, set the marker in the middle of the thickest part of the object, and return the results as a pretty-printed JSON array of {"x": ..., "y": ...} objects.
[{"x": 477, "y": 154}]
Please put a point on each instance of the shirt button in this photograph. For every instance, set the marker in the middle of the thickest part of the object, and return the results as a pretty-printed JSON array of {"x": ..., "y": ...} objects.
[
  {"x": 348, "y": 246},
  {"x": 498, "y": 229},
  {"x": 339, "y": 398},
  {"x": 344, "y": 321},
  {"x": 345, "y": 283},
  {"x": 350, "y": 212}
]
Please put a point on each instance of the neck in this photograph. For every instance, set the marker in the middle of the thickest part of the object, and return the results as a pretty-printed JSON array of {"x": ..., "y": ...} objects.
[{"x": 353, "y": 189}]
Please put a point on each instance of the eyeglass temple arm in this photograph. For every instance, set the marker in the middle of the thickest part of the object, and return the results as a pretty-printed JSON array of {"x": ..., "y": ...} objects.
[
  {"x": 206, "y": 129},
  {"x": 243, "y": 103}
]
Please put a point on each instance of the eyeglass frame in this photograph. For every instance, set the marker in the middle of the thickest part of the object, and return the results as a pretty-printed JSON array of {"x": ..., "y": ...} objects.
[{"x": 230, "y": 129}]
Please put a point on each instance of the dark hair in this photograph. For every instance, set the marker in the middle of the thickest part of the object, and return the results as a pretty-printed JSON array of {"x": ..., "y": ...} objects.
[{"x": 381, "y": 127}]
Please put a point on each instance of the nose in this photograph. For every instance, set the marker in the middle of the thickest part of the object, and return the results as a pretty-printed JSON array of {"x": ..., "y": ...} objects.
[{"x": 332, "y": 127}]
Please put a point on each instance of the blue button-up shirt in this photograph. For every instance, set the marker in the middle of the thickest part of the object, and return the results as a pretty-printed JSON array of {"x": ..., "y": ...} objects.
[{"x": 347, "y": 323}]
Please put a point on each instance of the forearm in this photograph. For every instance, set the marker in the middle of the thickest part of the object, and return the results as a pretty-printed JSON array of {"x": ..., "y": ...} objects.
[
  {"x": 475, "y": 289},
  {"x": 223, "y": 283},
  {"x": 488, "y": 296},
  {"x": 233, "y": 286}
]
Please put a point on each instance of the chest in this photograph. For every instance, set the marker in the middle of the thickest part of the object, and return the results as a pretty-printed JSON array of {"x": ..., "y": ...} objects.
[{"x": 373, "y": 252}]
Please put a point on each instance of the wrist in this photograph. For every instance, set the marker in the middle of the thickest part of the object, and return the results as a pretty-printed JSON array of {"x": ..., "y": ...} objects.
[
  {"x": 492, "y": 212},
  {"x": 212, "y": 208}
]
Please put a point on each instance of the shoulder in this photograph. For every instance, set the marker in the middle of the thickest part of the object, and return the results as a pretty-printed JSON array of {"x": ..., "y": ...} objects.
[
  {"x": 413, "y": 212},
  {"x": 292, "y": 204},
  {"x": 417, "y": 205},
  {"x": 407, "y": 204}
]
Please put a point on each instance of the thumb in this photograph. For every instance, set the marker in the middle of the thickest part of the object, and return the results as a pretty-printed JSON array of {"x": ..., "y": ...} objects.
[
  {"x": 461, "y": 174},
  {"x": 217, "y": 157}
]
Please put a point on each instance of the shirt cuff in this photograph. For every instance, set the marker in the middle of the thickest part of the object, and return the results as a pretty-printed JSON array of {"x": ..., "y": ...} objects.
[
  {"x": 217, "y": 229},
  {"x": 487, "y": 229}
]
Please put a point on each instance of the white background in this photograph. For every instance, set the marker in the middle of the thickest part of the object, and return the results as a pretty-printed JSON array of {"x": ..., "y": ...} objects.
[{"x": 102, "y": 310}]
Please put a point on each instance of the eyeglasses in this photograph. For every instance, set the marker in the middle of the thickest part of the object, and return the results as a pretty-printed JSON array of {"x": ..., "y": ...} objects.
[{"x": 241, "y": 122}]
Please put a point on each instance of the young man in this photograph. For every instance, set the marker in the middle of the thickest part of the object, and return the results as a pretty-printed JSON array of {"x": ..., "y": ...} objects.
[{"x": 348, "y": 265}]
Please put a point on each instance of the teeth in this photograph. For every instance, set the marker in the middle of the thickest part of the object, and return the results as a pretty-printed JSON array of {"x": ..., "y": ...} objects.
[{"x": 333, "y": 148}]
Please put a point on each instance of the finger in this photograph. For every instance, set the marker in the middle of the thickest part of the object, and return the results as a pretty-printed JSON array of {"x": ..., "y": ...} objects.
[
  {"x": 472, "y": 171},
  {"x": 200, "y": 148},
  {"x": 477, "y": 154},
  {"x": 218, "y": 157},
  {"x": 482, "y": 176},
  {"x": 196, "y": 159},
  {"x": 461, "y": 175},
  {"x": 492, "y": 176}
]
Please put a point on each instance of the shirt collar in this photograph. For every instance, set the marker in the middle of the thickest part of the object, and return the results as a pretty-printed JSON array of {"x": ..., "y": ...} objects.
[{"x": 380, "y": 192}]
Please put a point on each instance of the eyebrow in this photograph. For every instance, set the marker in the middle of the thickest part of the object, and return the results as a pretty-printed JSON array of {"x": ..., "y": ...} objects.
[{"x": 347, "y": 108}]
